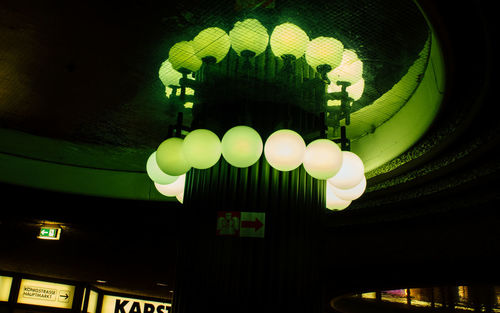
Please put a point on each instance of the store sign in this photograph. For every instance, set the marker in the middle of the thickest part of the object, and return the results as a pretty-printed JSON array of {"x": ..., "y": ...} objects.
[
  {"x": 44, "y": 293},
  {"x": 5, "y": 285},
  {"x": 114, "y": 304}
]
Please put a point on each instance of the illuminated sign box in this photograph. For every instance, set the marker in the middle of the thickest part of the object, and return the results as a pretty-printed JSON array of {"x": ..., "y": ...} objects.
[
  {"x": 115, "y": 304},
  {"x": 92, "y": 302},
  {"x": 5, "y": 285},
  {"x": 50, "y": 233},
  {"x": 47, "y": 294}
]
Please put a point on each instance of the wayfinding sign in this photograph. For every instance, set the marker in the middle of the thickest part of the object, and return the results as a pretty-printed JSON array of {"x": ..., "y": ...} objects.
[
  {"x": 5, "y": 285},
  {"x": 241, "y": 224},
  {"x": 44, "y": 293},
  {"x": 115, "y": 304},
  {"x": 51, "y": 233}
]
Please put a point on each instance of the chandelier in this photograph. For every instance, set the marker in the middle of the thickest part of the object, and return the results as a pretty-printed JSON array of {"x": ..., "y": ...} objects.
[{"x": 318, "y": 75}]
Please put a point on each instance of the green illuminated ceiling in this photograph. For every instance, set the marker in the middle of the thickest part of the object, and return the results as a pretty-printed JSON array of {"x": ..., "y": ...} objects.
[{"x": 73, "y": 99}]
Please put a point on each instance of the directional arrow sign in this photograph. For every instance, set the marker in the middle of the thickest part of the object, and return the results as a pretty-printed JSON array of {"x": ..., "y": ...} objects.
[
  {"x": 63, "y": 296},
  {"x": 252, "y": 224},
  {"x": 241, "y": 224},
  {"x": 256, "y": 225},
  {"x": 53, "y": 233}
]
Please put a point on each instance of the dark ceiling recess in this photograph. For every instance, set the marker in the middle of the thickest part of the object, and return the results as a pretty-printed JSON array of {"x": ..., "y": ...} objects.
[{"x": 87, "y": 73}]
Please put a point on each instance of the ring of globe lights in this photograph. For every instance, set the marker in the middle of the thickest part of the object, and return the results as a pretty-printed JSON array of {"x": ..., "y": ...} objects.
[
  {"x": 324, "y": 54},
  {"x": 242, "y": 147}
]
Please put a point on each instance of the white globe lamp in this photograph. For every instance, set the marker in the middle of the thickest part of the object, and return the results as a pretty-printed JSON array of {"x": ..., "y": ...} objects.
[
  {"x": 333, "y": 202},
  {"x": 173, "y": 189},
  {"x": 284, "y": 150},
  {"x": 322, "y": 159},
  {"x": 351, "y": 172},
  {"x": 352, "y": 193}
]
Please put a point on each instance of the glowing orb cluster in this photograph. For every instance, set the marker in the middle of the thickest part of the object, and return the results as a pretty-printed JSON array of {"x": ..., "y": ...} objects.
[
  {"x": 348, "y": 184},
  {"x": 249, "y": 35},
  {"x": 241, "y": 146}
]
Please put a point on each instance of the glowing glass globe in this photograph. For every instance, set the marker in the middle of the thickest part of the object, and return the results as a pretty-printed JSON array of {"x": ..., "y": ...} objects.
[
  {"x": 354, "y": 91},
  {"x": 211, "y": 42},
  {"x": 288, "y": 38},
  {"x": 249, "y": 35},
  {"x": 322, "y": 159},
  {"x": 156, "y": 174},
  {"x": 350, "y": 68},
  {"x": 201, "y": 148},
  {"x": 351, "y": 172},
  {"x": 284, "y": 150},
  {"x": 333, "y": 202},
  {"x": 180, "y": 197},
  {"x": 168, "y": 75},
  {"x": 241, "y": 146},
  {"x": 350, "y": 194},
  {"x": 182, "y": 56},
  {"x": 173, "y": 189},
  {"x": 324, "y": 50},
  {"x": 170, "y": 158}
]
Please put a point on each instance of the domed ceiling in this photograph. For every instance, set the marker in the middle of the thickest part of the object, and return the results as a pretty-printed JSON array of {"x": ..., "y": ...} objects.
[
  {"x": 80, "y": 82},
  {"x": 82, "y": 108}
]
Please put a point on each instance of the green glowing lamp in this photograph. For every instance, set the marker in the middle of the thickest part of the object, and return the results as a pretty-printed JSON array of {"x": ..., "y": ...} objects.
[
  {"x": 352, "y": 193},
  {"x": 156, "y": 174},
  {"x": 241, "y": 146},
  {"x": 201, "y": 148},
  {"x": 211, "y": 42},
  {"x": 170, "y": 158},
  {"x": 284, "y": 150},
  {"x": 249, "y": 35},
  {"x": 322, "y": 159},
  {"x": 168, "y": 75},
  {"x": 351, "y": 172},
  {"x": 324, "y": 54},
  {"x": 350, "y": 69},
  {"x": 333, "y": 202},
  {"x": 173, "y": 189},
  {"x": 288, "y": 39},
  {"x": 183, "y": 57}
]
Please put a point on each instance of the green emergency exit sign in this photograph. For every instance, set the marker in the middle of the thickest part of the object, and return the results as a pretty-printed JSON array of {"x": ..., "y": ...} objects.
[{"x": 51, "y": 233}]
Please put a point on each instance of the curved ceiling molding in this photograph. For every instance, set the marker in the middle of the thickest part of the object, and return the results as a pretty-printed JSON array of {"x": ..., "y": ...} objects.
[{"x": 393, "y": 123}]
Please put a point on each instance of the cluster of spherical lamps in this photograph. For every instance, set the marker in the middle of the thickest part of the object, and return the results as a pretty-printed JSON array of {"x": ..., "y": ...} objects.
[
  {"x": 249, "y": 38},
  {"x": 242, "y": 146}
]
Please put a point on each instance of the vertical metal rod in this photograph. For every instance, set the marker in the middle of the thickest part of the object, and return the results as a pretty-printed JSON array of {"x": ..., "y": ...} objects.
[
  {"x": 178, "y": 128},
  {"x": 344, "y": 141},
  {"x": 183, "y": 87}
]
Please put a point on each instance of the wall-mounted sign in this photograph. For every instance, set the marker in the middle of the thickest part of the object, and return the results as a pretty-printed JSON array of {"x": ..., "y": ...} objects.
[
  {"x": 92, "y": 301},
  {"x": 51, "y": 233},
  {"x": 114, "y": 304},
  {"x": 92, "y": 306},
  {"x": 241, "y": 224},
  {"x": 5, "y": 285},
  {"x": 44, "y": 293}
]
